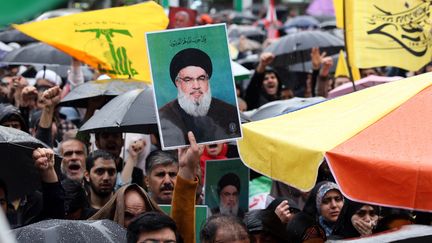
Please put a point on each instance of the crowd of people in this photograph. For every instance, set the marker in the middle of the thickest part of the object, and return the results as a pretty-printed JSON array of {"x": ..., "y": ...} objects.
[{"x": 101, "y": 178}]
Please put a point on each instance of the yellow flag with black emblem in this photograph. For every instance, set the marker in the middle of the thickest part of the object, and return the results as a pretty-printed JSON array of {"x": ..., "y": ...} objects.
[
  {"x": 388, "y": 33},
  {"x": 110, "y": 40}
]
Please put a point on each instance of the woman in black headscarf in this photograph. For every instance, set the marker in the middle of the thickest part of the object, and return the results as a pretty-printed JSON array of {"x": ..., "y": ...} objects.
[{"x": 355, "y": 220}]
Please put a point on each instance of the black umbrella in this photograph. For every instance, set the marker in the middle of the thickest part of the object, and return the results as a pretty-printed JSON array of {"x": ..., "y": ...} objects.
[
  {"x": 17, "y": 166},
  {"x": 73, "y": 231},
  {"x": 296, "y": 47},
  {"x": 15, "y": 36},
  {"x": 37, "y": 53},
  {"x": 251, "y": 32},
  {"x": 133, "y": 111},
  {"x": 302, "y": 22},
  {"x": 109, "y": 88}
]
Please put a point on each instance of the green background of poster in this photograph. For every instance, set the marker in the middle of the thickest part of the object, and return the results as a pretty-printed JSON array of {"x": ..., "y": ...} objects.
[{"x": 201, "y": 212}]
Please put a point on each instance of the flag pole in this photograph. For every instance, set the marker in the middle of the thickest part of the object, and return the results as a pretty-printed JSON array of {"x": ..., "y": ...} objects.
[{"x": 346, "y": 45}]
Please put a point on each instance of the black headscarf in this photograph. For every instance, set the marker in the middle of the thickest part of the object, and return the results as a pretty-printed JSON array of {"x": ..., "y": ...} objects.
[{"x": 343, "y": 227}]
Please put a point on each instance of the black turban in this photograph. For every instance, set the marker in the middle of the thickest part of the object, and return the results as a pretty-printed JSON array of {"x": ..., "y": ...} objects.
[
  {"x": 229, "y": 179},
  {"x": 190, "y": 57}
]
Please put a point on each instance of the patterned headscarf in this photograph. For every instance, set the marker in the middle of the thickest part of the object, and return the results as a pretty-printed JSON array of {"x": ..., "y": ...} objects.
[{"x": 323, "y": 190}]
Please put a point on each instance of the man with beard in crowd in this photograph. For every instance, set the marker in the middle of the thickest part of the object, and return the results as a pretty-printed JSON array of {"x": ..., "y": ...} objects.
[
  {"x": 100, "y": 177},
  {"x": 195, "y": 109},
  {"x": 128, "y": 171},
  {"x": 229, "y": 192},
  {"x": 161, "y": 172}
]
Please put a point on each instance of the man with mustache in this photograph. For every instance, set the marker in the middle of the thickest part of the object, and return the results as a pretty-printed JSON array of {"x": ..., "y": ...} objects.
[
  {"x": 74, "y": 153},
  {"x": 161, "y": 173},
  {"x": 195, "y": 109}
]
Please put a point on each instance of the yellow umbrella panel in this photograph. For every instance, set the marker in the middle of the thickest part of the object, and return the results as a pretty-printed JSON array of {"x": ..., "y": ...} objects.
[
  {"x": 290, "y": 148},
  {"x": 110, "y": 40}
]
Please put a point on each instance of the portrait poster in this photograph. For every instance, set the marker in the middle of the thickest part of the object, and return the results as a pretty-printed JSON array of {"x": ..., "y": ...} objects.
[
  {"x": 201, "y": 214},
  {"x": 193, "y": 85},
  {"x": 220, "y": 173},
  {"x": 185, "y": 14}
]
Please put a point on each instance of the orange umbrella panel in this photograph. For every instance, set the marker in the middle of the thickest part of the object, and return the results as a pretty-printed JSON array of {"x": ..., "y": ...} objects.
[{"x": 390, "y": 162}]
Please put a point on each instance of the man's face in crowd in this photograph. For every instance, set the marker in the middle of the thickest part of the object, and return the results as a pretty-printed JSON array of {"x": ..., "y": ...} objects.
[
  {"x": 270, "y": 83},
  {"x": 341, "y": 80},
  {"x": 102, "y": 177},
  {"x": 161, "y": 182},
  {"x": 367, "y": 72},
  {"x": 110, "y": 142},
  {"x": 230, "y": 235},
  {"x": 12, "y": 124},
  {"x": 229, "y": 200},
  {"x": 134, "y": 206},
  {"x": 73, "y": 163},
  {"x": 331, "y": 205},
  {"x": 3, "y": 201},
  {"x": 165, "y": 235},
  {"x": 193, "y": 82}
]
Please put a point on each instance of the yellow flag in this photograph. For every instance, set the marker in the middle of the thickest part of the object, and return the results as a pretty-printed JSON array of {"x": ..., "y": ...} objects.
[
  {"x": 110, "y": 40},
  {"x": 341, "y": 67},
  {"x": 338, "y": 7},
  {"x": 388, "y": 33}
]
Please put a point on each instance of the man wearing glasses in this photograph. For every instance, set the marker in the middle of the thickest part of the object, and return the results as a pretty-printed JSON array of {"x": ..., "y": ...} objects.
[{"x": 195, "y": 109}]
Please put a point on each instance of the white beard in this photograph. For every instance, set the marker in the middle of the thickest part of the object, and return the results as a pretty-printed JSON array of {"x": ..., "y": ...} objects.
[
  {"x": 229, "y": 210},
  {"x": 192, "y": 107}
]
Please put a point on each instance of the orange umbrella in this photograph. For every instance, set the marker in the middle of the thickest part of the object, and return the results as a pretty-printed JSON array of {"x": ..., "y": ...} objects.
[{"x": 377, "y": 142}]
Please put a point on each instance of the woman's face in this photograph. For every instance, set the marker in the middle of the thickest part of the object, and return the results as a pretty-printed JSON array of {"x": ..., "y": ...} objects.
[
  {"x": 331, "y": 205},
  {"x": 367, "y": 214}
]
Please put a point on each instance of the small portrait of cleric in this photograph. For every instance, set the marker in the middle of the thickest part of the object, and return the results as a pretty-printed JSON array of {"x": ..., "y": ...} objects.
[{"x": 194, "y": 109}]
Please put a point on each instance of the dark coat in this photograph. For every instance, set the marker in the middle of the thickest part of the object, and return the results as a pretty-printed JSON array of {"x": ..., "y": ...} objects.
[{"x": 220, "y": 123}]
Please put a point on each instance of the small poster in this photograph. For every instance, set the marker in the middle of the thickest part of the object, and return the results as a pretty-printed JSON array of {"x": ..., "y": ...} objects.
[
  {"x": 227, "y": 187},
  {"x": 193, "y": 85}
]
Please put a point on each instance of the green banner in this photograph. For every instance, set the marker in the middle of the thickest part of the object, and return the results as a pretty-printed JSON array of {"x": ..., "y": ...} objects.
[{"x": 20, "y": 11}]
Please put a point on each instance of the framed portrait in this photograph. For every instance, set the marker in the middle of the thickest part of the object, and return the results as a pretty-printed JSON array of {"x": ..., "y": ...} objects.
[
  {"x": 193, "y": 85},
  {"x": 226, "y": 188}
]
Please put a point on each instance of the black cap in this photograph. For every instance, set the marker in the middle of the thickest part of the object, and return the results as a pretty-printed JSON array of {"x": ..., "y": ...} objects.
[
  {"x": 229, "y": 179},
  {"x": 190, "y": 57}
]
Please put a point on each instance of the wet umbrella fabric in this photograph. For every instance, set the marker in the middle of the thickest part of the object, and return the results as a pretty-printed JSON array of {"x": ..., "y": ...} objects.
[
  {"x": 37, "y": 53},
  {"x": 134, "y": 112},
  {"x": 15, "y": 36},
  {"x": 71, "y": 231},
  {"x": 296, "y": 47},
  {"x": 17, "y": 167},
  {"x": 109, "y": 88},
  {"x": 302, "y": 22},
  {"x": 280, "y": 107}
]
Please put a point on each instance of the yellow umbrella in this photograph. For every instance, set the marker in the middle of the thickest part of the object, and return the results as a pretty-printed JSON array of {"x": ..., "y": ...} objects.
[{"x": 111, "y": 40}]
